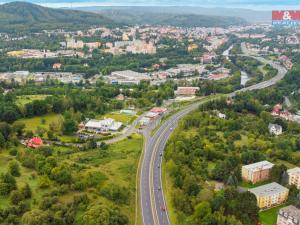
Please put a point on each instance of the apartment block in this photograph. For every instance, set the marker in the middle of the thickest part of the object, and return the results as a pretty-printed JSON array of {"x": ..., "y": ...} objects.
[
  {"x": 270, "y": 195},
  {"x": 294, "y": 176},
  {"x": 289, "y": 215},
  {"x": 257, "y": 172}
]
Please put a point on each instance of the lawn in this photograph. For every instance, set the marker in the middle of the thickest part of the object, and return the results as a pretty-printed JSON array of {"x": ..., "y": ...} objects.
[
  {"x": 250, "y": 185},
  {"x": 126, "y": 119},
  {"x": 269, "y": 217},
  {"x": 24, "y": 99},
  {"x": 31, "y": 124}
]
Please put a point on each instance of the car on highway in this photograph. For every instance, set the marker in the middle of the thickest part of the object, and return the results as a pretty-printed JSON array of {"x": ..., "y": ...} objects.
[{"x": 163, "y": 209}]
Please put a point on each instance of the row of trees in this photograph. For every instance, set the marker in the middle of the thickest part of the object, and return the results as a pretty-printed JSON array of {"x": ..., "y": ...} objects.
[{"x": 88, "y": 100}]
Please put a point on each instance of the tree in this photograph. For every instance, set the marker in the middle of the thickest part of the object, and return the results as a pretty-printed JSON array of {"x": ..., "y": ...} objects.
[
  {"x": 277, "y": 173},
  {"x": 40, "y": 131},
  {"x": 16, "y": 197},
  {"x": 26, "y": 191},
  {"x": 36, "y": 217},
  {"x": 13, "y": 167},
  {"x": 232, "y": 181},
  {"x": 2, "y": 141},
  {"x": 92, "y": 144},
  {"x": 61, "y": 175},
  {"x": 202, "y": 214},
  {"x": 69, "y": 126},
  {"x": 293, "y": 194},
  {"x": 18, "y": 128},
  {"x": 246, "y": 209},
  {"x": 7, "y": 183},
  {"x": 102, "y": 215}
]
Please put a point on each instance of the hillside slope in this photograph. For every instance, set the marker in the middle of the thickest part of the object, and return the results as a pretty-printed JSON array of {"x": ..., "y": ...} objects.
[{"x": 23, "y": 16}]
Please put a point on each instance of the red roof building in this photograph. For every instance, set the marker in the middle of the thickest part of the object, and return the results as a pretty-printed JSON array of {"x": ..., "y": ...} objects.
[
  {"x": 218, "y": 76},
  {"x": 56, "y": 66},
  {"x": 189, "y": 91},
  {"x": 159, "y": 110},
  {"x": 120, "y": 97},
  {"x": 35, "y": 142}
]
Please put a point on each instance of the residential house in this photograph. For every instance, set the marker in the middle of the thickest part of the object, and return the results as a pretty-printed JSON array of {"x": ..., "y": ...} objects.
[
  {"x": 120, "y": 97},
  {"x": 187, "y": 91},
  {"x": 275, "y": 129},
  {"x": 289, "y": 215},
  {"x": 257, "y": 172},
  {"x": 270, "y": 195},
  {"x": 34, "y": 142},
  {"x": 294, "y": 176},
  {"x": 56, "y": 66},
  {"x": 221, "y": 115},
  {"x": 159, "y": 110}
]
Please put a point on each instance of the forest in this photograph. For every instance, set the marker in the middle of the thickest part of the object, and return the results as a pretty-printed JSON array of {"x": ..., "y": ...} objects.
[{"x": 206, "y": 150}]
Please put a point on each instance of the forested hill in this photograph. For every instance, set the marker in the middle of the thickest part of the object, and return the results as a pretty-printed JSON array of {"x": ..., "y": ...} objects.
[
  {"x": 143, "y": 16},
  {"x": 23, "y": 16}
]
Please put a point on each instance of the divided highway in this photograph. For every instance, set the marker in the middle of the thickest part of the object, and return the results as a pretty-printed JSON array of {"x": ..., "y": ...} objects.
[{"x": 152, "y": 200}]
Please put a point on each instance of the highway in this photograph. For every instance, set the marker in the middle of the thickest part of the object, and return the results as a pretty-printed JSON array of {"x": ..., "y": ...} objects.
[{"x": 152, "y": 200}]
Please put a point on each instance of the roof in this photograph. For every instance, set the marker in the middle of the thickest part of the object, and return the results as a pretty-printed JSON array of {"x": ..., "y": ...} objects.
[
  {"x": 36, "y": 141},
  {"x": 277, "y": 127},
  {"x": 151, "y": 114},
  {"x": 290, "y": 211},
  {"x": 188, "y": 88},
  {"x": 129, "y": 74},
  {"x": 158, "y": 110},
  {"x": 99, "y": 123},
  {"x": 263, "y": 165},
  {"x": 295, "y": 170},
  {"x": 268, "y": 189},
  {"x": 218, "y": 76}
]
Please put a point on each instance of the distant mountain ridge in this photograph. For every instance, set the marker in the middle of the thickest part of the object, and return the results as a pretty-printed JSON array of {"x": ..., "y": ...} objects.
[
  {"x": 144, "y": 15},
  {"x": 251, "y": 16},
  {"x": 22, "y": 16}
]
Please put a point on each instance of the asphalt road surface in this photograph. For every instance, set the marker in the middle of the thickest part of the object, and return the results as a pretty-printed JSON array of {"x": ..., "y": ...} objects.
[{"x": 153, "y": 206}]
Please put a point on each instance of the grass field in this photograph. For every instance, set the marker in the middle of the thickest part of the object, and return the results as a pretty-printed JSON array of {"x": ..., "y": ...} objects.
[
  {"x": 269, "y": 217},
  {"x": 126, "y": 119},
  {"x": 24, "y": 99},
  {"x": 114, "y": 167},
  {"x": 31, "y": 124},
  {"x": 119, "y": 168}
]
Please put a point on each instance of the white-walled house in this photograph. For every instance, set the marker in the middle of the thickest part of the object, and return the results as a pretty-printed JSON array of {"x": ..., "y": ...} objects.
[
  {"x": 275, "y": 129},
  {"x": 102, "y": 125}
]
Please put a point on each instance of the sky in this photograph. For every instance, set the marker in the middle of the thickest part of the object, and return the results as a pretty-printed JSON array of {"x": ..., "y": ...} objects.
[{"x": 251, "y": 4}]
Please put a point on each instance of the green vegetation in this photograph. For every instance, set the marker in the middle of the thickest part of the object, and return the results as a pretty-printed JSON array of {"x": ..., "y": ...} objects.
[
  {"x": 269, "y": 217},
  {"x": 25, "y": 99},
  {"x": 153, "y": 17},
  {"x": 51, "y": 180},
  {"x": 80, "y": 101},
  {"x": 205, "y": 148},
  {"x": 126, "y": 119},
  {"x": 24, "y": 17}
]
